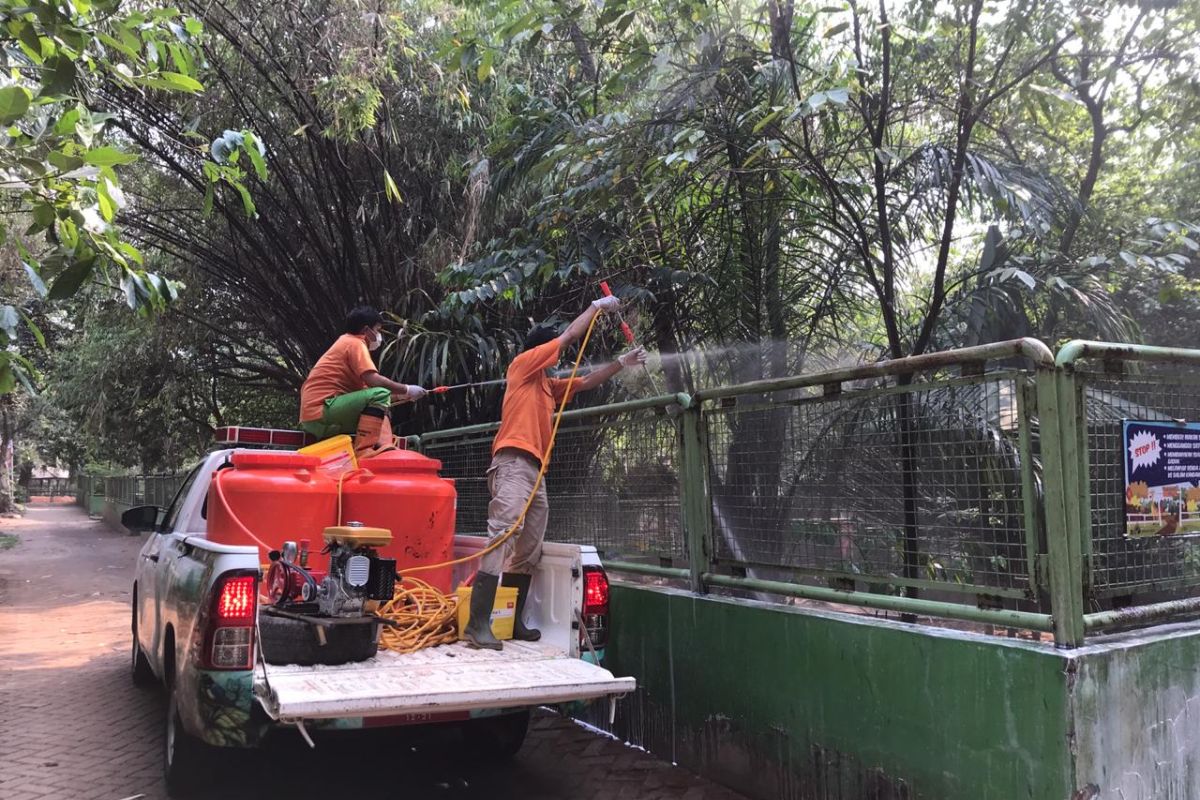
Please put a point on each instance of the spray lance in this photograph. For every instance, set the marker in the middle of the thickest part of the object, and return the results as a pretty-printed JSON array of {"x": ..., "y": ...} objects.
[{"x": 628, "y": 332}]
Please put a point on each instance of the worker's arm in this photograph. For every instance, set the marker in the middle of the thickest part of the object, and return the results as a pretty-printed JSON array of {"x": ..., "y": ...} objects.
[
  {"x": 401, "y": 391},
  {"x": 579, "y": 325},
  {"x": 599, "y": 376}
]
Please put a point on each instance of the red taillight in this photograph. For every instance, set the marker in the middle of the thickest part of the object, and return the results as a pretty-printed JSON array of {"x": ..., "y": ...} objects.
[
  {"x": 595, "y": 606},
  {"x": 595, "y": 591},
  {"x": 229, "y": 627},
  {"x": 236, "y": 600}
]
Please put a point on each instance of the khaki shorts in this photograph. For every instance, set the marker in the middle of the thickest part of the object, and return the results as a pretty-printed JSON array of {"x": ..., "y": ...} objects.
[{"x": 510, "y": 480}]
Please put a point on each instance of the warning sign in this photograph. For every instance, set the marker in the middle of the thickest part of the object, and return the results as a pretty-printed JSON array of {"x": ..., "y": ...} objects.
[{"x": 1162, "y": 479}]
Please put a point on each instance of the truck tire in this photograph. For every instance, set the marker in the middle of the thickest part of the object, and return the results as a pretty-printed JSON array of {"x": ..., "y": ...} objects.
[
  {"x": 497, "y": 738},
  {"x": 187, "y": 761},
  {"x": 143, "y": 674},
  {"x": 290, "y": 641}
]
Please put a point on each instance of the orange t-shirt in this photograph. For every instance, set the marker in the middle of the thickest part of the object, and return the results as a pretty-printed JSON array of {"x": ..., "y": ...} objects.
[
  {"x": 530, "y": 401},
  {"x": 339, "y": 371}
]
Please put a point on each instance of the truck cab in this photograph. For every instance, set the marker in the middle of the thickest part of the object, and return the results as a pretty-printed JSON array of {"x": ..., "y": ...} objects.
[{"x": 196, "y": 610}]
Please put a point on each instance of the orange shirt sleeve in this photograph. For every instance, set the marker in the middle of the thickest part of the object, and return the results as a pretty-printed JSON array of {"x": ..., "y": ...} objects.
[
  {"x": 531, "y": 363},
  {"x": 358, "y": 359},
  {"x": 558, "y": 387}
]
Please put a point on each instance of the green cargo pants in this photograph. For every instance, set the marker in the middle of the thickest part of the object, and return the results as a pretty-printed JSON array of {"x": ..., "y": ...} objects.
[{"x": 342, "y": 412}]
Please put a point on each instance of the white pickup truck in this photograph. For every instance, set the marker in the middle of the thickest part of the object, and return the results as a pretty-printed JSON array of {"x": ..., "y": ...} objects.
[{"x": 195, "y": 609}]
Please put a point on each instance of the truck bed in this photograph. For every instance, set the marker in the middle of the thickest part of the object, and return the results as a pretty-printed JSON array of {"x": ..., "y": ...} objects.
[{"x": 439, "y": 679}]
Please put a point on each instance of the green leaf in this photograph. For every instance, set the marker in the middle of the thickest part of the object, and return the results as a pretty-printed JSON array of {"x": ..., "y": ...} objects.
[
  {"x": 247, "y": 200},
  {"x": 180, "y": 82},
  {"x": 207, "y": 207},
  {"x": 256, "y": 159},
  {"x": 14, "y": 102},
  {"x": 39, "y": 285},
  {"x": 58, "y": 77},
  {"x": 108, "y": 157},
  {"x": 485, "y": 70},
  {"x": 43, "y": 215},
  {"x": 834, "y": 30},
  {"x": 108, "y": 209},
  {"x": 35, "y": 330},
  {"x": 390, "y": 189},
  {"x": 767, "y": 120},
  {"x": 63, "y": 162},
  {"x": 8, "y": 380},
  {"x": 67, "y": 283},
  {"x": 132, "y": 253}
]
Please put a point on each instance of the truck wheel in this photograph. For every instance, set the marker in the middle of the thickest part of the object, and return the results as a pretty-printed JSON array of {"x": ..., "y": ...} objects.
[
  {"x": 143, "y": 675},
  {"x": 187, "y": 761},
  {"x": 290, "y": 641},
  {"x": 497, "y": 738}
]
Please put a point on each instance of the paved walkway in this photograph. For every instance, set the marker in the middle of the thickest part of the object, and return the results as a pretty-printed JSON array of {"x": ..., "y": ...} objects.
[{"x": 72, "y": 725}]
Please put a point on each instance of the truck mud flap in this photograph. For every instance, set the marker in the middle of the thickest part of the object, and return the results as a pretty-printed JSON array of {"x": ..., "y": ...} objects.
[{"x": 440, "y": 679}]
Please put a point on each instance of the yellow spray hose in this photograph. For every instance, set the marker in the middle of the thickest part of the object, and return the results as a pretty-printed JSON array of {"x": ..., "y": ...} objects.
[{"x": 420, "y": 615}]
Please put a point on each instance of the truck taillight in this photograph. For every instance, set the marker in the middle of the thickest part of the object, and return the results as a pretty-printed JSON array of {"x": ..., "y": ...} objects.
[
  {"x": 595, "y": 605},
  {"x": 229, "y": 625}
]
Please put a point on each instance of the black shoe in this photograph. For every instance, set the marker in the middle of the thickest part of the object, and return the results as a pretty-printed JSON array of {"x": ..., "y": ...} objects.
[
  {"x": 520, "y": 632},
  {"x": 479, "y": 626}
]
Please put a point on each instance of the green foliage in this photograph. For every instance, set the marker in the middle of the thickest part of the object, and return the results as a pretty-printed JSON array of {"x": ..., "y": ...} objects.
[{"x": 60, "y": 152}]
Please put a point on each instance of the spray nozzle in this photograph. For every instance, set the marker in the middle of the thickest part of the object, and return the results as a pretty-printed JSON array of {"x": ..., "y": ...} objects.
[{"x": 625, "y": 329}]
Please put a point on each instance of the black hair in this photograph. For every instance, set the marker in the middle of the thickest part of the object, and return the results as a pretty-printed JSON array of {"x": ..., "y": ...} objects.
[
  {"x": 362, "y": 317},
  {"x": 539, "y": 335}
]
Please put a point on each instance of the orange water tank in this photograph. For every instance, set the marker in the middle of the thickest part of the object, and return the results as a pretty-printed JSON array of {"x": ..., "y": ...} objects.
[
  {"x": 277, "y": 497},
  {"x": 401, "y": 491}
]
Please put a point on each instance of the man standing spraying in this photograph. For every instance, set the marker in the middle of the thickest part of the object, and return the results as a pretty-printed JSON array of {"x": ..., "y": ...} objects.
[
  {"x": 526, "y": 419},
  {"x": 345, "y": 394}
]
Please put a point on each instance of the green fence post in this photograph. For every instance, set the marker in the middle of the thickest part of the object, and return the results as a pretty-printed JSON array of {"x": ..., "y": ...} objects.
[
  {"x": 694, "y": 498},
  {"x": 1060, "y": 460}
]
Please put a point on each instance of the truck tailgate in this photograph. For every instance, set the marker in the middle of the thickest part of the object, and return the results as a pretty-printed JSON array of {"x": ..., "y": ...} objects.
[{"x": 439, "y": 679}]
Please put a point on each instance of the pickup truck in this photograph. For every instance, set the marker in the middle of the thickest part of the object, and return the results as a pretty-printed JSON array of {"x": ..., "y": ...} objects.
[{"x": 188, "y": 592}]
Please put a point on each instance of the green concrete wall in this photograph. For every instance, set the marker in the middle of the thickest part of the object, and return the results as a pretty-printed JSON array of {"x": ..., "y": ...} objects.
[
  {"x": 785, "y": 702},
  {"x": 780, "y": 702}
]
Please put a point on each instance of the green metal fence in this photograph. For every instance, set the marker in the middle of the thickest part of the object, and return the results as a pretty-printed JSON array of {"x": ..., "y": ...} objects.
[
  {"x": 911, "y": 485},
  {"x": 983, "y": 484},
  {"x": 121, "y": 493}
]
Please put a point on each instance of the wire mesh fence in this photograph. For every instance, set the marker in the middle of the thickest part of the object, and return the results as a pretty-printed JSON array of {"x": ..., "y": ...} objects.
[
  {"x": 1122, "y": 564},
  {"x": 138, "y": 490},
  {"x": 920, "y": 483},
  {"x": 613, "y": 483}
]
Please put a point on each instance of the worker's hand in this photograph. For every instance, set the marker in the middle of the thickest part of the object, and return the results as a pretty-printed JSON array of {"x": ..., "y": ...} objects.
[
  {"x": 635, "y": 357},
  {"x": 608, "y": 303},
  {"x": 416, "y": 392}
]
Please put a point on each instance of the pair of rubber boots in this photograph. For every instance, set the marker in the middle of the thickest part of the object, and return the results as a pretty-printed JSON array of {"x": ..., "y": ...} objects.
[
  {"x": 374, "y": 434},
  {"x": 483, "y": 597}
]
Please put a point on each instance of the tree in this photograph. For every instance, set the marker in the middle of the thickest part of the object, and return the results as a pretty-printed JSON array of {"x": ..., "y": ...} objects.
[{"x": 60, "y": 159}]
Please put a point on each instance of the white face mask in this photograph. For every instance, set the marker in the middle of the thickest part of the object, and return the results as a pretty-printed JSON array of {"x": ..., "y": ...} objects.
[{"x": 374, "y": 341}]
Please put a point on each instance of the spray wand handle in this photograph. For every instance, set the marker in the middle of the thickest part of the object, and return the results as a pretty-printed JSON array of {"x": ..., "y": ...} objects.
[{"x": 625, "y": 329}]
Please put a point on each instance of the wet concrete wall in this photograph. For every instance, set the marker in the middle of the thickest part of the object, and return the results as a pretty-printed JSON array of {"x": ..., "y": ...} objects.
[{"x": 781, "y": 702}]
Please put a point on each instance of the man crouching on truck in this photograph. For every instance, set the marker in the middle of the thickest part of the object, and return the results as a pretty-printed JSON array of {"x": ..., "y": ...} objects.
[
  {"x": 345, "y": 394},
  {"x": 526, "y": 418}
]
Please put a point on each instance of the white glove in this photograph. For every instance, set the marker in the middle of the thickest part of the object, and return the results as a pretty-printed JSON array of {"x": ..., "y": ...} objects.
[
  {"x": 416, "y": 392},
  {"x": 608, "y": 303},
  {"x": 634, "y": 357}
]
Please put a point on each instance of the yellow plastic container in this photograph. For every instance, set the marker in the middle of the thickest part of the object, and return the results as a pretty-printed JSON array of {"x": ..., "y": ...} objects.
[
  {"x": 504, "y": 611},
  {"x": 336, "y": 454}
]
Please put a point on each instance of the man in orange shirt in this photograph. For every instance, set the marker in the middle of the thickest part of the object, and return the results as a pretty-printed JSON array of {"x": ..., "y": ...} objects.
[
  {"x": 526, "y": 418},
  {"x": 344, "y": 392}
]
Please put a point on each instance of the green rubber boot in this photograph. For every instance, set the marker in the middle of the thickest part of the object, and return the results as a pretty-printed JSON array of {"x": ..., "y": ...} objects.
[
  {"x": 479, "y": 626},
  {"x": 520, "y": 632}
]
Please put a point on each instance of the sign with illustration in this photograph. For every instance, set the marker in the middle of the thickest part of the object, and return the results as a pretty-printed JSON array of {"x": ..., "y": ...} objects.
[{"x": 1162, "y": 478}]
